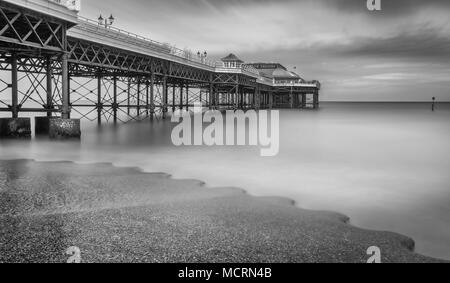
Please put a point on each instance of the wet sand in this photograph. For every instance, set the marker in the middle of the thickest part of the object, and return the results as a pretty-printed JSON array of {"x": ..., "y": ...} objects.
[{"x": 124, "y": 215}]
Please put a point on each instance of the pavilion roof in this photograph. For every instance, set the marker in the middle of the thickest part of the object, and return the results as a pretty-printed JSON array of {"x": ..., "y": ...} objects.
[{"x": 232, "y": 58}]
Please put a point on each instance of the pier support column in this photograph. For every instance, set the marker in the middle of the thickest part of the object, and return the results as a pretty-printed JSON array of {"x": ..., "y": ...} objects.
[
  {"x": 226, "y": 100},
  {"x": 115, "y": 106},
  {"x": 138, "y": 103},
  {"x": 152, "y": 97},
  {"x": 69, "y": 93},
  {"x": 14, "y": 87},
  {"x": 316, "y": 100},
  {"x": 99, "y": 100},
  {"x": 237, "y": 92},
  {"x": 218, "y": 98},
  {"x": 271, "y": 100},
  {"x": 211, "y": 92},
  {"x": 256, "y": 98},
  {"x": 211, "y": 96},
  {"x": 246, "y": 99},
  {"x": 173, "y": 97},
  {"x": 147, "y": 98},
  {"x": 217, "y": 95},
  {"x": 64, "y": 127},
  {"x": 291, "y": 100},
  {"x": 303, "y": 100},
  {"x": 49, "y": 88},
  {"x": 187, "y": 97},
  {"x": 42, "y": 124},
  {"x": 65, "y": 87},
  {"x": 165, "y": 97},
  {"x": 201, "y": 97},
  {"x": 259, "y": 98},
  {"x": 128, "y": 96},
  {"x": 181, "y": 96},
  {"x": 236, "y": 97}
]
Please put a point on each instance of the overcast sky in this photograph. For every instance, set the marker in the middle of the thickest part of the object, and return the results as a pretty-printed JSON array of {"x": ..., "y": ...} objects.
[{"x": 399, "y": 54}]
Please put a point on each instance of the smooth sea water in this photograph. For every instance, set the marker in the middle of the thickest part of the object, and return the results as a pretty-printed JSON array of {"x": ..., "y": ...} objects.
[{"x": 384, "y": 165}]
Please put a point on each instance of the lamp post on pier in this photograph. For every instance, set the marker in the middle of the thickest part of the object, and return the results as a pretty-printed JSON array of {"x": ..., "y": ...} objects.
[
  {"x": 202, "y": 56},
  {"x": 106, "y": 22}
]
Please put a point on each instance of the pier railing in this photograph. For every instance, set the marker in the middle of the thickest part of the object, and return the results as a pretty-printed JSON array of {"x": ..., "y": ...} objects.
[
  {"x": 74, "y": 5},
  {"x": 167, "y": 49},
  {"x": 239, "y": 68},
  {"x": 315, "y": 84},
  {"x": 60, "y": 2},
  {"x": 153, "y": 45},
  {"x": 267, "y": 80}
]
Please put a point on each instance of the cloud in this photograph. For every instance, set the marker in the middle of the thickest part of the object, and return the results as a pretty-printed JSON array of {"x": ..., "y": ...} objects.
[
  {"x": 338, "y": 42},
  {"x": 391, "y": 8},
  {"x": 426, "y": 43},
  {"x": 423, "y": 77}
]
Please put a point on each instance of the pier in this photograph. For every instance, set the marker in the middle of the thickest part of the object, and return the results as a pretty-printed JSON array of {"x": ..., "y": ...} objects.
[{"x": 69, "y": 68}]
